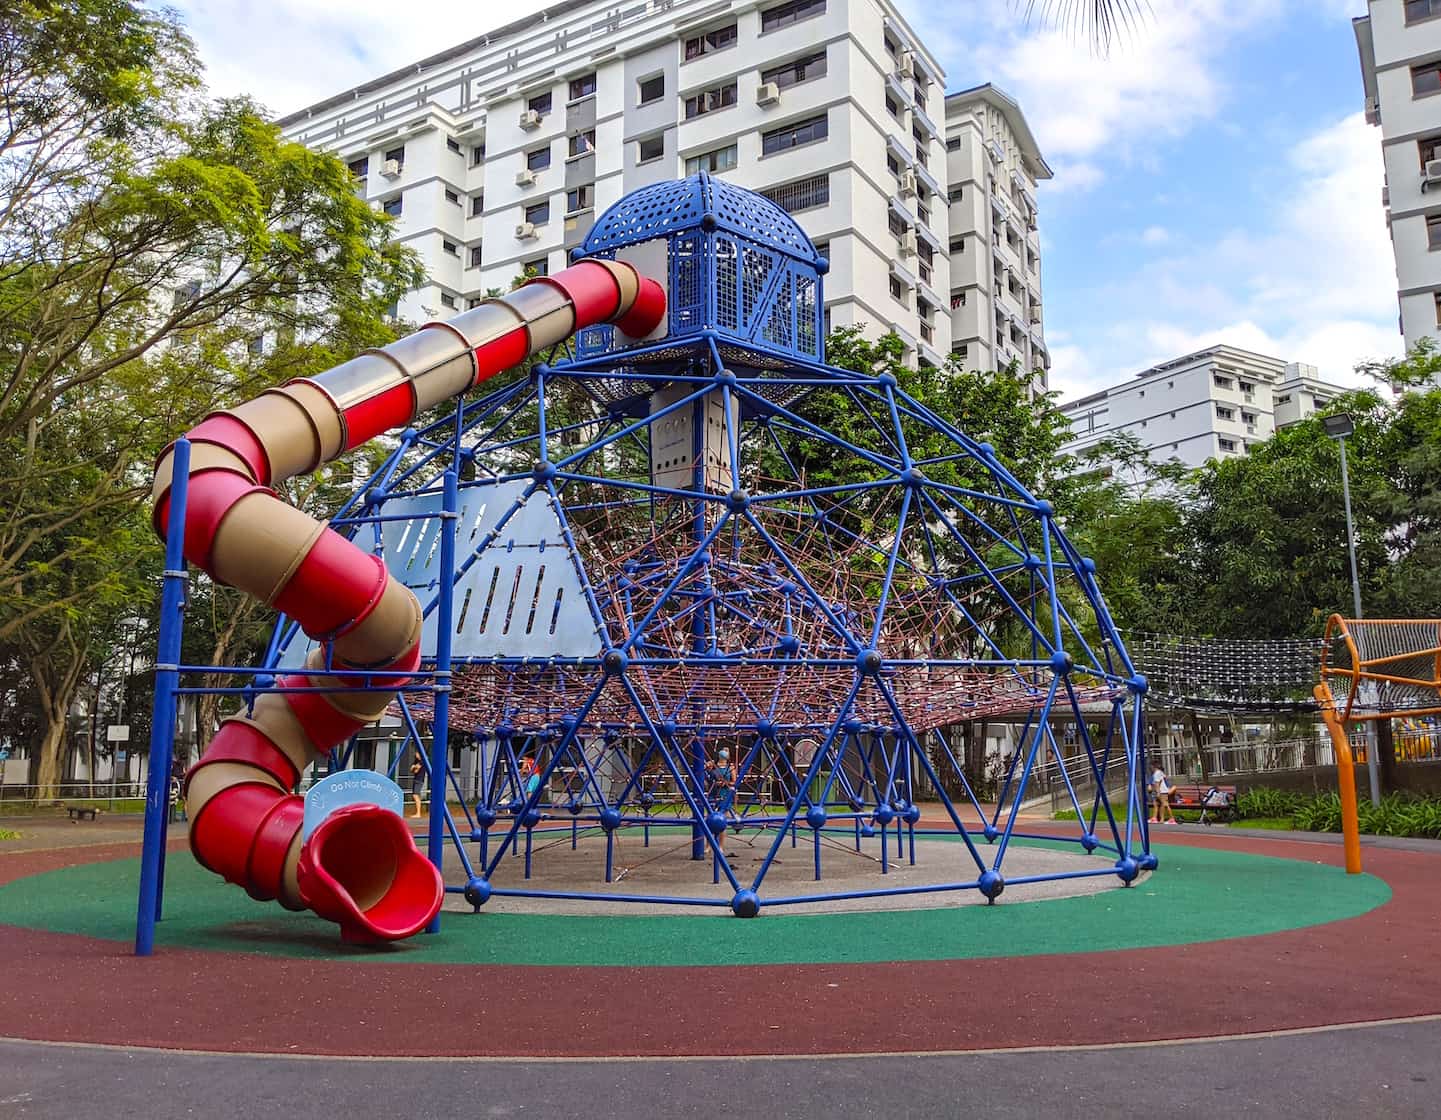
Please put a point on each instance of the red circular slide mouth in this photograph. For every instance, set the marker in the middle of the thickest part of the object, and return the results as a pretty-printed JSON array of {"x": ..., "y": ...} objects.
[{"x": 361, "y": 868}]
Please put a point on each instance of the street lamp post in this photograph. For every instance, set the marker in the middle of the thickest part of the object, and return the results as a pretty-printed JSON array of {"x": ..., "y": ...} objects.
[{"x": 1338, "y": 427}]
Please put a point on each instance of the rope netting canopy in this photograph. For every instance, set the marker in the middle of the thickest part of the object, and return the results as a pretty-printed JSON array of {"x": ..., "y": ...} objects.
[{"x": 1229, "y": 674}]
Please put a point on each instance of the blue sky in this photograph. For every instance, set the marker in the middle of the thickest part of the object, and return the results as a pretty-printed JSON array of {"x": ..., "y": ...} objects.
[{"x": 1214, "y": 179}]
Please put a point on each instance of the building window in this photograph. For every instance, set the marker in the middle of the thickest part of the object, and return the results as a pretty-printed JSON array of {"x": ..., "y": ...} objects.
[
  {"x": 477, "y": 205},
  {"x": 958, "y": 300},
  {"x": 540, "y": 103},
  {"x": 1221, "y": 382},
  {"x": 649, "y": 148},
  {"x": 722, "y": 159},
  {"x": 1224, "y": 413},
  {"x": 397, "y": 154},
  {"x": 1284, "y": 398},
  {"x": 540, "y": 266},
  {"x": 923, "y": 214},
  {"x": 453, "y": 144},
  {"x": 956, "y": 194},
  {"x": 896, "y": 223},
  {"x": 958, "y": 244},
  {"x": 794, "y": 135},
  {"x": 1429, "y": 149},
  {"x": 898, "y": 290},
  {"x": 1426, "y": 79},
  {"x": 953, "y": 144},
  {"x": 709, "y": 100},
  {"x": 447, "y": 300},
  {"x": 452, "y": 196},
  {"x": 1438, "y": 314},
  {"x": 359, "y": 167},
  {"x": 710, "y": 42},
  {"x": 538, "y": 159},
  {"x": 451, "y": 248},
  {"x": 786, "y": 14},
  {"x": 1433, "y": 230},
  {"x": 1417, "y": 10},
  {"x": 823, "y": 249},
  {"x": 892, "y": 47},
  {"x": 1228, "y": 444},
  {"x": 1248, "y": 417},
  {"x": 473, "y": 302},
  {"x": 477, "y": 155},
  {"x": 538, "y": 213},
  {"x": 392, "y": 206},
  {"x": 581, "y": 198},
  {"x": 798, "y": 70},
  {"x": 583, "y": 143},
  {"x": 475, "y": 256},
  {"x": 652, "y": 89},
  {"x": 893, "y": 107},
  {"x": 804, "y": 194},
  {"x": 584, "y": 86}
]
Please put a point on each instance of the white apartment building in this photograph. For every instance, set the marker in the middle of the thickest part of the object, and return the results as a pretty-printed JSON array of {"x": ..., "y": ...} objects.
[
  {"x": 497, "y": 155},
  {"x": 993, "y": 164},
  {"x": 1212, "y": 404},
  {"x": 1400, "y": 47}
]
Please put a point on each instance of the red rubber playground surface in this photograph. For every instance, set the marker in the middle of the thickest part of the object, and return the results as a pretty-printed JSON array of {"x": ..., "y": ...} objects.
[{"x": 292, "y": 989}]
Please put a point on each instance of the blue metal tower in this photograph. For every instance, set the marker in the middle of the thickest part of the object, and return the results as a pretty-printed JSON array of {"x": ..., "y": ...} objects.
[{"x": 708, "y": 539}]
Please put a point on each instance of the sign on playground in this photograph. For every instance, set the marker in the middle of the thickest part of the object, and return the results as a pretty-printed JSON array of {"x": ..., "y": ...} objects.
[
  {"x": 117, "y": 733},
  {"x": 349, "y": 787}
]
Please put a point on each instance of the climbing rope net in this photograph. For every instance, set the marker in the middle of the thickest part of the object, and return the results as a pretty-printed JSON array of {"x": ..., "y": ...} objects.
[
  {"x": 1376, "y": 668},
  {"x": 1229, "y": 674}
]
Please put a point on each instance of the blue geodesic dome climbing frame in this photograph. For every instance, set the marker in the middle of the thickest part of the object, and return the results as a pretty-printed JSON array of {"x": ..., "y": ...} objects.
[{"x": 708, "y": 539}]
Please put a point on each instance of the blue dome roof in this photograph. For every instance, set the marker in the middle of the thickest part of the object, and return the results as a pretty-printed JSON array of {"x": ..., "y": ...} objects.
[{"x": 677, "y": 205}]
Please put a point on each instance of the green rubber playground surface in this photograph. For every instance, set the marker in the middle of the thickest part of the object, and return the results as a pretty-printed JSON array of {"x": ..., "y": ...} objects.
[{"x": 1198, "y": 895}]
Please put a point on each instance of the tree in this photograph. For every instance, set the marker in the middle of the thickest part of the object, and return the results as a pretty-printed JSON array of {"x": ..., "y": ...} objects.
[
  {"x": 1100, "y": 21},
  {"x": 161, "y": 255}
]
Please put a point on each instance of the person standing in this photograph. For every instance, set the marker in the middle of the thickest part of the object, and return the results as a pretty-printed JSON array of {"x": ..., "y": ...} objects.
[
  {"x": 1161, "y": 790},
  {"x": 417, "y": 784},
  {"x": 723, "y": 791}
]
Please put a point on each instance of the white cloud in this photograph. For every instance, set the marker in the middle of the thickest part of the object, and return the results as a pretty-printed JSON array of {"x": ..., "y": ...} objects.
[
  {"x": 1311, "y": 278},
  {"x": 291, "y": 53},
  {"x": 1155, "y": 235},
  {"x": 1155, "y": 85}
]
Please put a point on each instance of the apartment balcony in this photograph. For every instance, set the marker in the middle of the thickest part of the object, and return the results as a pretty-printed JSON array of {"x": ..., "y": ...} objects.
[
  {"x": 900, "y": 149},
  {"x": 897, "y": 85},
  {"x": 923, "y": 173},
  {"x": 921, "y": 117}
]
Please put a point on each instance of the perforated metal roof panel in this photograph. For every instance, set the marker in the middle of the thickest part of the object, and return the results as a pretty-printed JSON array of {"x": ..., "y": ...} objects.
[{"x": 676, "y": 205}]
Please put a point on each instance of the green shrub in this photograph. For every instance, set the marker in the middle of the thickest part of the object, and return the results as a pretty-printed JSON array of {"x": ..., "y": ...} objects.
[{"x": 1266, "y": 802}]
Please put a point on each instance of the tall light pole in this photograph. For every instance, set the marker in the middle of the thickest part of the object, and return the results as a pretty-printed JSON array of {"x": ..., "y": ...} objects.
[{"x": 1338, "y": 427}]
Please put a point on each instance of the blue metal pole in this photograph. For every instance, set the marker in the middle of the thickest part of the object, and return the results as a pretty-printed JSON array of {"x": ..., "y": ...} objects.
[
  {"x": 444, "y": 629},
  {"x": 162, "y": 724}
]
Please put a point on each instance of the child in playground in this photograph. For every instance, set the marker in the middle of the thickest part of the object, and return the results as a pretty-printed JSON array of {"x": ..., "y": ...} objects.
[
  {"x": 529, "y": 777},
  {"x": 1161, "y": 790},
  {"x": 723, "y": 790},
  {"x": 417, "y": 784}
]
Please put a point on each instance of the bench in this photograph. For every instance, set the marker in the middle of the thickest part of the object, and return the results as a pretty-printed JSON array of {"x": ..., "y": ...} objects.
[
  {"x": 81, "y": 812},
  {"x": 1214, "y": 802}
]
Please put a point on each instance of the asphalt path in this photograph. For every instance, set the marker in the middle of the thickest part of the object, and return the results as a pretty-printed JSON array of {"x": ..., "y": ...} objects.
[{"x": 1380, "y": 1070}]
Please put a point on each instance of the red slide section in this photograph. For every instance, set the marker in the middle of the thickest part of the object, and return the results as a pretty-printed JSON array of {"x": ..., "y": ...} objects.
[{"x": 360, "y": 867}]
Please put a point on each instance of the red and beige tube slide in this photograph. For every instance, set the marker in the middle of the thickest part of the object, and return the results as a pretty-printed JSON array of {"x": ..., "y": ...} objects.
[{"x": 360, "y": 866}]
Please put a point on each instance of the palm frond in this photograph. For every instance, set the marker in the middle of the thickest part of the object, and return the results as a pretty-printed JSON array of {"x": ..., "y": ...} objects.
[{"x": 1100, "y": 21}]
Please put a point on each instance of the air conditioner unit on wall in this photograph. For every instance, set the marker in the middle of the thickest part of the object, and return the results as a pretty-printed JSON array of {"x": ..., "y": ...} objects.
[
  {"x": 525, "y": 231},
  {"x": 525, "y": 177},
  {"x": 768, "y": 93},
  {"x": 908, "y": 184},
  {"x": 908, "y": 243},
  {"x": 905, "y": 64},
  {"x": 390, "y": 168},
  {"x": 529, "y": 119},
  {"x": 1432, "y": 175}
]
